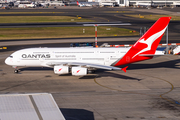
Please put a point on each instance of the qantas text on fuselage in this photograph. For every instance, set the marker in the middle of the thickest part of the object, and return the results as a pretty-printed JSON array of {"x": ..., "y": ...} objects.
[{"x": 36, "y": 55}]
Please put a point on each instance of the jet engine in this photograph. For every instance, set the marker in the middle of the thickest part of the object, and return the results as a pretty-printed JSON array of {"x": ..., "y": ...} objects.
[
  {"x": 61, "y": 70},
  {"x": 79, "y": 71}
]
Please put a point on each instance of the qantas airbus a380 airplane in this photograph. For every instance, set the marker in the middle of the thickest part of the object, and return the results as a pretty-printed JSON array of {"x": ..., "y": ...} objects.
[{"x": 81, "y": 60}]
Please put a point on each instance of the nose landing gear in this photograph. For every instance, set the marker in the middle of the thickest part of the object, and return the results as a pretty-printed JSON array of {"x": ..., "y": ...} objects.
[{"x": 16, "y": 70}]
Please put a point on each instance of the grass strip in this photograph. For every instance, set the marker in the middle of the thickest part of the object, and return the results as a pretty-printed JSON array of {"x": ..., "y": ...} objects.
[
  {"x": 62, "y": 32},
  {"x": 30, "y": 12},
  {"x": 41, "y": 19},
  {"x": 154, "y": 17}
]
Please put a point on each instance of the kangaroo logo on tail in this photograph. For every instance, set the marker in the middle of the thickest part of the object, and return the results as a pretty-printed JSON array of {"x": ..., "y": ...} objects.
[
  {"x": 147, "y": 44},
  {"x": 150, "y": 41}
]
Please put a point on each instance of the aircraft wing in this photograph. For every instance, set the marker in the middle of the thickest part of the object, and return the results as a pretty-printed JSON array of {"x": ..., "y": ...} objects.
[{"x": 88, "y": 65}]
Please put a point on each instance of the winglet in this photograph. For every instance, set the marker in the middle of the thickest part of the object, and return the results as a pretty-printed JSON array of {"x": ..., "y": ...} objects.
[{"x": 124, "y": 69}]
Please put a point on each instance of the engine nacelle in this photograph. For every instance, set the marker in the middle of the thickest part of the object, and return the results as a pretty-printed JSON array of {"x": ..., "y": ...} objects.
[
  {"x": 61, "y": 70},
  {"x": 79, "y": 71}
]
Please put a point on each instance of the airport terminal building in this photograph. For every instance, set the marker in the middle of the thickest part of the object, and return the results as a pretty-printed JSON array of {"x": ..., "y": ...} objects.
[
  {"x": 149, "y": 2},
  {"x": 123, "y": 3},
  {"x": 127, "y": 3}
]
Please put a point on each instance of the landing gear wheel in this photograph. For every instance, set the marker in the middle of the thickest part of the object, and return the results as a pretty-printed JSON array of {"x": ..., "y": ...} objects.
[{"x": 16, "y": 71}]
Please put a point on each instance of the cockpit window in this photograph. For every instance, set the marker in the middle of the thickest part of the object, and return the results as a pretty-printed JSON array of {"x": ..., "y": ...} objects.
[{"x": 11, "y": 56}]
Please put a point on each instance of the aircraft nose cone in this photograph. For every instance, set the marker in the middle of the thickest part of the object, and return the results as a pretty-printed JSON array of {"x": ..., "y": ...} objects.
[{"x": 7, "y": 61}]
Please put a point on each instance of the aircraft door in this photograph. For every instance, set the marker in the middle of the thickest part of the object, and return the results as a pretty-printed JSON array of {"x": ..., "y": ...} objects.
[{"x": 106, "y": 61}]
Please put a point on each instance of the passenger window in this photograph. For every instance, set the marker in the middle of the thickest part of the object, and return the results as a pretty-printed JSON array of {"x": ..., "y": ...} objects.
[{"x": 11, "y": 56}]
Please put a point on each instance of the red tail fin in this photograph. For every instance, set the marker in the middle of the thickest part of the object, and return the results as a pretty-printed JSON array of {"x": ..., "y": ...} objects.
[
  {"x": 147, "y": 44},
  {"x": 77, "y": 2}
]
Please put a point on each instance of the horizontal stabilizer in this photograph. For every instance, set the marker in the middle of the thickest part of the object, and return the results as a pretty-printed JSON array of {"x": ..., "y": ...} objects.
[
  {"x": 149, "y": 55},
  {"x": 124, "y": 69}
]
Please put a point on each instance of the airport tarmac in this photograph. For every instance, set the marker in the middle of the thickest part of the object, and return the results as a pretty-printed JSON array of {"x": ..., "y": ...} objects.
[{"x": 149, "y": 90}]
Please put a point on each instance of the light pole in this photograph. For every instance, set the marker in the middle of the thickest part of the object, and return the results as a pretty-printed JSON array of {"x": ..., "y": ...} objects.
[
  {"x": 165, "y": 3},
  {"x": 96, "y": 35},
  {"x": 103, "y": 24},
  {"x": 167, "y": 40}
]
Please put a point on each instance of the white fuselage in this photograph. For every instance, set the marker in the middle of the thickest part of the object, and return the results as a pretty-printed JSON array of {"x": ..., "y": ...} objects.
[{"x": 44, "y": 56}]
